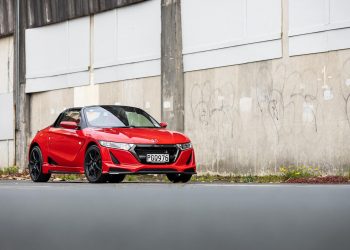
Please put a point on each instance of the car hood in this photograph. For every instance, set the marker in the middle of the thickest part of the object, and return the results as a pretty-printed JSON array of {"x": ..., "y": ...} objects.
[{"x": 139, "y": 135}]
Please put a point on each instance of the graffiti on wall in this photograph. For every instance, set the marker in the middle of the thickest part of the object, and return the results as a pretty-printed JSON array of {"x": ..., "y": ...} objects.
[{"x": 279, "y": 105}]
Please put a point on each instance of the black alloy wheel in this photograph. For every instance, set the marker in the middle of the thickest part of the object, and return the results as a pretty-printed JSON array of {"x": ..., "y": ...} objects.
[
  {"x": 35, "y": 166},
  {"x": 176, "y": 178},
  {"x": 93, "y": 165}
]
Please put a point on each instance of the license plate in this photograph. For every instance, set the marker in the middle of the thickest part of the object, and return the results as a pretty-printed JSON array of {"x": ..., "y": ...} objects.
[{"x": 157, "y": 158}]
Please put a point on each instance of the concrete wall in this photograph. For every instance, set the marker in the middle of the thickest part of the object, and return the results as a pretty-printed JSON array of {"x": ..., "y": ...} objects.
[
  {"x": 6, "y": 89},
  {"x": 46, "y": 106},
  {"x": 143, "y": 93},
  {"x": 254, "y": 118},
  {"x": 249, "y": 118}
]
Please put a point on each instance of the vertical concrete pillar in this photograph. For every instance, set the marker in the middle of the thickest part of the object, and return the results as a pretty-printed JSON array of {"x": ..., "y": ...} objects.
[
  {"x": 21, "y": 99},
  {"x": 285, "y": 29},
  {"x": 172, "y": 86}
]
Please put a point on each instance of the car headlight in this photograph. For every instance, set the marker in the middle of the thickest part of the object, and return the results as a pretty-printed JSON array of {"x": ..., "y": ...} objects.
[
  {"x": 117, "y": 145},
  {"x": 185, "y": 146}
]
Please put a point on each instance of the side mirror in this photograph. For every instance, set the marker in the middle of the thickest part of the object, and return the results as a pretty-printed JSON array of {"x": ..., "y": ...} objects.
[
  {"x": 69, "y": 125},
  {"x": 163, "y": 124}
]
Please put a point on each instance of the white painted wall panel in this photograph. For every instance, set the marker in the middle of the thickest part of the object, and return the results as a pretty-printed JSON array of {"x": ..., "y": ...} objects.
[
  {"x": 56, "y": 51},
  {"x": 307, "y": 15},
  {"x": 105, "y": 38},
  {"x": 79, "y": 44},
  {"x": 127, "y": 71},
  {"x": 338, "y": 39},
  {"x": 202, "y": 19},
  {"x": 47, "y": 50},
  {"x": 318, "y": 26},
  {"x": 6, "y": 121},
  {"x": 263, "y": 18},
  {"x": 57, "y": 82},
  {"x": 6, "y": 64},
  {"x": 7, "y": 153},
  {"x": 138, "y": 32},
  {"x": 230, "y": 32},
  {"x": 127, "y": 42},
  {"x": 339, "y": 11},
  {"x": 233, "y": 55},
  {"x": 313, "y": 43}
]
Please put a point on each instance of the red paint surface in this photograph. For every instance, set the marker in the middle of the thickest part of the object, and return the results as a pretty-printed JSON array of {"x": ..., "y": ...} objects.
[{"x": 67, "y": 147}]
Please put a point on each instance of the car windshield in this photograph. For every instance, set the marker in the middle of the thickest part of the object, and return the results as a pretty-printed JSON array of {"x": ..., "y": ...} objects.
[{"x": 118, "y": 116}]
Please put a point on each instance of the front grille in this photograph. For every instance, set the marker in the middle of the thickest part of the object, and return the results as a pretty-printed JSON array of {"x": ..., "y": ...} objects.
[{"x": 141, "y": 151}]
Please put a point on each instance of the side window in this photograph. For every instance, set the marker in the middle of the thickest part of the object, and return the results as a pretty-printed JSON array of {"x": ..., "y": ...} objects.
[{"x": 71, "y": 116}]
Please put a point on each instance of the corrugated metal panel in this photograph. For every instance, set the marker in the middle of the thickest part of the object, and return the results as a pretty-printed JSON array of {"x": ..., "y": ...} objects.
[
  {"x": 44, "y": 12},
  {"x": 6, "y": 17}
]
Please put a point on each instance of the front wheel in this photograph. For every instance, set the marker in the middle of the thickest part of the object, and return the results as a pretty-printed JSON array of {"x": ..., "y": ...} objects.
[
  {"x": 93, "y": 165},
  {"x": 35, "y": 166},
  {"x": 116, "y": 178},
  {"x": 176, "y": 178}
]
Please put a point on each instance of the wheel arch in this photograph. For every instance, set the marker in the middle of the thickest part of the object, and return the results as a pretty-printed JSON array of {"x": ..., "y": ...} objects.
[
  {"x": 91, "y": 143},
  {"x": 32, "y": 145}
]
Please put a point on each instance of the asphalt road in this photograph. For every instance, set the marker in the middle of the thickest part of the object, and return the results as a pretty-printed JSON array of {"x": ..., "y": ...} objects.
[{"x": 173, "y": 216}]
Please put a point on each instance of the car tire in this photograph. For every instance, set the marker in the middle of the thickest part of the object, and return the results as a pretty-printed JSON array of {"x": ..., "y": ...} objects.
[
  {"x": 93, "y": 165},
  {"x": 174, "y": 178},
  {"x": 35, "y": 166},
  {"x": 185, "y": 178},
  {"x": 116, "y": 178}
]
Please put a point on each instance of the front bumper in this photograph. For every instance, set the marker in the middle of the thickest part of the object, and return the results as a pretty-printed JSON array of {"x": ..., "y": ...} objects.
[{"x": 117, "y": 161}]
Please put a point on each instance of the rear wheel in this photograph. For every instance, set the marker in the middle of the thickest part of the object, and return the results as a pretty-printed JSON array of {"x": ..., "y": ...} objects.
[
  {"x": 116, "y": 178},
  {"x": 93, "y": 165},
  {"x": 35, "y": 166},
  {"x": 176, "y": 178}
]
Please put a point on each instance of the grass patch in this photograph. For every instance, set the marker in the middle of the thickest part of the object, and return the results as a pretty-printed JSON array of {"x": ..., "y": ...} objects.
[
  {"x": 146, "y": 178},
  {"x": 71, "y": 177},
  {"x": 289, "y": 174},
  {"x": 9, "y": 170},
  {"x": 238, "y": 179},
  {"x": 294, "y": 172}
]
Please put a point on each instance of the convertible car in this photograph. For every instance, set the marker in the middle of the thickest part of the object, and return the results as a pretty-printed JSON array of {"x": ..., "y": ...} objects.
[{"x": 108, "y": 142}]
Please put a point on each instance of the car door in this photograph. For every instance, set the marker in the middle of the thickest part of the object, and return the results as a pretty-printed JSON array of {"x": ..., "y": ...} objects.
[{"x": 64, "y": 144}]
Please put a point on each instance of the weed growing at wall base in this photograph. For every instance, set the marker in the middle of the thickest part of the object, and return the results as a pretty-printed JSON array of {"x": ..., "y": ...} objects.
[
  {"x": 9, "y": 170},
  {"x": 292, "y": 172}
]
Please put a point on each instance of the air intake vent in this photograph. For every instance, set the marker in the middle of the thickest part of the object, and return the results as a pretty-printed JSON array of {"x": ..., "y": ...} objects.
[
  {"x": 114, "y": 159},
  {"x": 51, "y": 162},
  {"x": 189, "y": 159}
]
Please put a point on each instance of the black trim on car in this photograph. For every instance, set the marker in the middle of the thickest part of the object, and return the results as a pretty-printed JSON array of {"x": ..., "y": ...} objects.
[
  {"x": 139, "y": 151},
  {"x": 158, "y": 171},
  {"x": 114, "y": 158},
  {"x": 62, "y": 172}
]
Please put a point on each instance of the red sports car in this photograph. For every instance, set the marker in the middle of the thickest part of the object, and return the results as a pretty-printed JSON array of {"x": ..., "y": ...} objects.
[{"x": 107, "y": 143}]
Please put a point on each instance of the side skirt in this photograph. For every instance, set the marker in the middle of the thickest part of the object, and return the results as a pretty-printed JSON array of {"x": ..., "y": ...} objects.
[
  {"x": 62, "y": 172},
  {"x": 152, "y": 172}
]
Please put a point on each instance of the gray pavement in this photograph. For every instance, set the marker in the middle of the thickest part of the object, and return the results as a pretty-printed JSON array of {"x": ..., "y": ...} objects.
[{"x": 173, "y": 216}]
